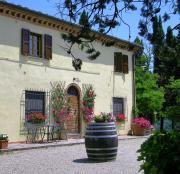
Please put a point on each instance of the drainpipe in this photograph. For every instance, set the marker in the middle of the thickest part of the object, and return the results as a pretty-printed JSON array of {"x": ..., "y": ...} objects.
[{"x": 134, "y": 83}]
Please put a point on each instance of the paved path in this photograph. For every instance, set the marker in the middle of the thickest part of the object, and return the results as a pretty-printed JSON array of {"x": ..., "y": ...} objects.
[
  {"x": 69, "y": 142},
  {"x": 71, "y": 160}
]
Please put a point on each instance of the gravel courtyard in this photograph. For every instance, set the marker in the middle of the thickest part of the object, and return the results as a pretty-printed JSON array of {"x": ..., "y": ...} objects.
[{"x": 71, "y": 160}]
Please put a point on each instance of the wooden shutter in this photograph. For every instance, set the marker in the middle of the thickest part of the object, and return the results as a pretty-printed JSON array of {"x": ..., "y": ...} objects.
[
  {"x": 25, "y": 42},
  {"x": 125, "y": 64},
  {"x": 39, "y": 45},
  {"x": 118, "y": 62},
  {"x": 47, "y": 46},
  {"x": 115, "y": 62}
]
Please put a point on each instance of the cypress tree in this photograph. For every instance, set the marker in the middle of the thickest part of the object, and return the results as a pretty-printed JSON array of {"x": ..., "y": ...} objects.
[
  {"x": 169, "y": 58},
  {"x": 161, "y": 31},
  {"x": 170, "y": 39},
  {"x": 157, "y": 42}
]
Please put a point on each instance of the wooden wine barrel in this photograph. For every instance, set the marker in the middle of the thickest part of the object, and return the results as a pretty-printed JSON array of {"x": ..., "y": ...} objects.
[{"x": 101, "y": 141}]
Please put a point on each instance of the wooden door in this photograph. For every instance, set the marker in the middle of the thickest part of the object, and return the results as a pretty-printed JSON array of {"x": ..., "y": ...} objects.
[{"x": 73, "y": 125}]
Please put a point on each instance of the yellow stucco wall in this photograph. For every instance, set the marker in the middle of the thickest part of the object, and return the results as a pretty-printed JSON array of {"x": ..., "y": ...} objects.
[{"x": 18, "y": 73}]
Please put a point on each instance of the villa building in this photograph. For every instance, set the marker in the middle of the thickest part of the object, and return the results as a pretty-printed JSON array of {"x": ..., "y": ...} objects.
[{"x": 32, "y": 58}]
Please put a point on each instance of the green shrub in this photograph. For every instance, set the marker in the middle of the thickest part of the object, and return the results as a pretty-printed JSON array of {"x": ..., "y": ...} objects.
[
  {"x": 3, "y": 137},
  {"x": 161, "y": 153}
]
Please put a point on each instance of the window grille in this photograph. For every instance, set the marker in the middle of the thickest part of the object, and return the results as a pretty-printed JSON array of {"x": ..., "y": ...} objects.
[
  {"x": 34, "y": 102},
  {"x": 118, "y": 106}
]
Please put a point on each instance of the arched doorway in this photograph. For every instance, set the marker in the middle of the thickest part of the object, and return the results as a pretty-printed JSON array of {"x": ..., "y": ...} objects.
[{"x": 73, "y": 125}]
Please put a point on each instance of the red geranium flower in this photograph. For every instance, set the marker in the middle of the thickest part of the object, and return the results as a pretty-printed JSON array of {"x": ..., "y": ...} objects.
[
  {"x": 120, "y": 118},
  {"x": 36, "y": 117}
]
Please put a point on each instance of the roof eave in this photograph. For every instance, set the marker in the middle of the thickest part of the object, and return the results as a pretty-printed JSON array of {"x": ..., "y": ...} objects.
[{"x": 68, "y": 27}]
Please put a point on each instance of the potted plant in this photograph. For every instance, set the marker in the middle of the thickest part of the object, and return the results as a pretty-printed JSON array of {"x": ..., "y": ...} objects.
[
  {"x": 101, "y": 138},
  {"x": 120, "y": 120},
  {"x": 3, "y": 141},
  {"x": 36, "y": 118},
  {"x": 141, "y": 126}
]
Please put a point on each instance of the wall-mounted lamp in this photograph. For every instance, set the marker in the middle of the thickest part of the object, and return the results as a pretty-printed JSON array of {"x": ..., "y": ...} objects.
[{"x": 76, "y": 80}]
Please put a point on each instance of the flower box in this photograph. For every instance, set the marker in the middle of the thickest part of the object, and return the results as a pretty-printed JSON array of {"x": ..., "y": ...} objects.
[
  {"x": 120, "y": 125},
  {"x": 141, "y": 126},
  {"x": 140, "y": 131},
  {"x": 3, "y": 141},
  {"x": 120, "y": 122},
  {"x": 3, "y": 144},
  {"x": 36, "y": 118}
]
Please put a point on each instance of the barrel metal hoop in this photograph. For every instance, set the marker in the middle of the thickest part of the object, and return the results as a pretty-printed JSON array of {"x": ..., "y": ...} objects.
[
  {"x": 101, "y": 154},
  {"x": 100, "y": 126},
  {"x": 103, "y": 158},
  {"x": 99, "y": 136},
  {"x": 107, "y": 123},
  {"x": 108, "y": 148},
  {"x": 112, "y": 130}
]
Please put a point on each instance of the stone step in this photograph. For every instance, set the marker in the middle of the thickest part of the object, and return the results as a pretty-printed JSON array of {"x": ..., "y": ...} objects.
[{"x": 73, "y": 135}]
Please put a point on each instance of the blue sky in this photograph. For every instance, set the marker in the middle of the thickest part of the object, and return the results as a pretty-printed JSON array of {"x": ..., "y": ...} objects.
[{"x": 48, "y": 7}]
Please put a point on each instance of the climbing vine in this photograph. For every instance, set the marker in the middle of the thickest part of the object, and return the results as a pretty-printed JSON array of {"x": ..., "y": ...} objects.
[
  {"x": 59, "y": 103},
  {"x": 88, "y": 103}
]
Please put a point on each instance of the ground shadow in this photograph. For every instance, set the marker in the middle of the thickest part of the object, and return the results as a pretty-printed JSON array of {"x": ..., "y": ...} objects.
[{"x": 86, "y": 160}]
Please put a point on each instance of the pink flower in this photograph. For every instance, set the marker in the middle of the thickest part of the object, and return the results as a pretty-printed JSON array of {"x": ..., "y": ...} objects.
[
  {"x": 141, "y": 121},
  {"x": 84, "y": 102},
  {"x": 88, "y": 105}
]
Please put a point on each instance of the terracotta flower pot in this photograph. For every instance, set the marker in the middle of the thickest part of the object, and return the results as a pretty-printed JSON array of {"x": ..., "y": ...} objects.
[
  {"x": 120, "y": 125},
  {"x": 3, "y": 144},
  {"x": 140, "y": 131}
]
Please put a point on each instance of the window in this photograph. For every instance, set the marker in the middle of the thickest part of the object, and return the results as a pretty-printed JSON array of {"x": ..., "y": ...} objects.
[
  {"x": 118, "y": 106},
  {"x": 34, "y": 102},
  {"x": 120, "y": 63},
  {"x": 32, "y": 44},
  {"x": 35, "y": 45}
]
